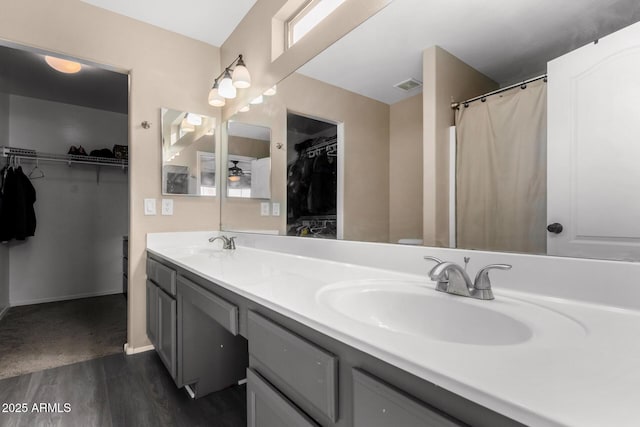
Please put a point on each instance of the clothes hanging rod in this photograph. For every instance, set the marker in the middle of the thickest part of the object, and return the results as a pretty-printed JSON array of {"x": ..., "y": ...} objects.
[
  {"x": 522, "y": 85},
  {"x": 22, "y": 153}
]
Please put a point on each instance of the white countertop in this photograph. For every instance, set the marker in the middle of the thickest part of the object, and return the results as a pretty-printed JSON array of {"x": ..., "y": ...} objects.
[{"x": 589, "y": 377}]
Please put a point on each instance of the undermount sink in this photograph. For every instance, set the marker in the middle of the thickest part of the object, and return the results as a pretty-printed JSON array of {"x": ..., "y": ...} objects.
[{"x": 415, "y": 308}]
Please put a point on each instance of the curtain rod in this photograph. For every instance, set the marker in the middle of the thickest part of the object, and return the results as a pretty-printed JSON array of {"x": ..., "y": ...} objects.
[{"x": 483, "y": 98}]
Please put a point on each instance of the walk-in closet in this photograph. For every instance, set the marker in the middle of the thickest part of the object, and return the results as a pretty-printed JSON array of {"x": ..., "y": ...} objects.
[
  {"x": 312, "y": 177},
  {"x": 63, "y": 210}
]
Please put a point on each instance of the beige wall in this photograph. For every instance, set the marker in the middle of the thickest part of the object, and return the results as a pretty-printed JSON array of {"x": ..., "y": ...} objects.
[
  {"x": 74, "y": 28},
  {"x": 446, "y": 79},
  {"x": 405, "y": 169},
  {"x": 366, "y": 157},
  {"x": 252, "y": 38},
  {"x": 248, "y": 147}
]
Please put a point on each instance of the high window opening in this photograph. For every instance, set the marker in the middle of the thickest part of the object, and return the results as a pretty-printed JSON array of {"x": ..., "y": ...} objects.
[{"x": 311, "y": 14}]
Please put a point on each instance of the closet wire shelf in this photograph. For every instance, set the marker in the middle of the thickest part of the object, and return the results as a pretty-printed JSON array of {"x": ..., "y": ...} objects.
[{"x": 22, "y": 153}]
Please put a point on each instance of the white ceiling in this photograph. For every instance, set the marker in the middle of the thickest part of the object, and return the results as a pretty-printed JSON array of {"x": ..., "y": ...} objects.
[
  {"x": 506, "y": 40},
  {"x": 210, "y": 21}
]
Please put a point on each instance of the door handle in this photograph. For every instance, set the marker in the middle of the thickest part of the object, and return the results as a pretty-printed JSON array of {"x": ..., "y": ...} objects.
[{"x": 555, "y": 228}]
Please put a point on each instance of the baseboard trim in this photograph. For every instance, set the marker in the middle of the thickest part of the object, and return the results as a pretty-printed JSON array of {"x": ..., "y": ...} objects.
[
  {"x": 131, "y": 350},
  {"x": 65, "y": 298},
  {"x": 3, "y": 312}
]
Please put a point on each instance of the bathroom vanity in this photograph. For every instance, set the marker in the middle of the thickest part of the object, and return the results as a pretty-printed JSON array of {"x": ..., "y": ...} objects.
[{"x": 328, "y": 343}]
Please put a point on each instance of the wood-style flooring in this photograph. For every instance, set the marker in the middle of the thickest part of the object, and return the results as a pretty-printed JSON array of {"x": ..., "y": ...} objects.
[{"x": 116, "y": 390}]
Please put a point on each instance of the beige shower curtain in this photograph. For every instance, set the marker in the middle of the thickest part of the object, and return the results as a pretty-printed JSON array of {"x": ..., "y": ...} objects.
[{"x": 502, "y": 171}]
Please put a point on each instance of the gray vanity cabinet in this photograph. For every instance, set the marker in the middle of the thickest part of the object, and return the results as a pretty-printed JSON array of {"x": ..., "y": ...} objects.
[
  {"x": 377, "y": 404},
  {"x": 166, "y": 342},
  {"x": 152, "y": 313},
  {"x": 267, "y": 407},
  {"x": 211, "y": 353}
]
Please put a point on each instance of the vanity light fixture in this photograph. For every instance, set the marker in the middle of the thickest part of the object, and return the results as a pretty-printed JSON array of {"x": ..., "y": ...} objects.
[
  {"x": 215, "y": 99},
  {"x": 271, "y": 91},
  {"x": 225, "y": 84},
  {"x": 227, "y": 89},
  {"x": 241, "y": 76},
  {"x": 63, "y": 65},
  {"x": 185, "y": 125},
  {"x": 194, "y": 119}
]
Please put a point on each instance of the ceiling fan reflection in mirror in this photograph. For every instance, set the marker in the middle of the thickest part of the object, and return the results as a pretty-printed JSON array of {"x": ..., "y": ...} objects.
[{"x": 235, "y": 172}]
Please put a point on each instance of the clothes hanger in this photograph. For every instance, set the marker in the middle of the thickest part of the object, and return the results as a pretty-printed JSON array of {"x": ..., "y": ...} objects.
[{"x": 38, "y": 170}]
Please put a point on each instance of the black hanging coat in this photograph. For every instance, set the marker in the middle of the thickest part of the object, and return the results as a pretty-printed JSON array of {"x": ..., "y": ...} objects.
[{"x": 17, "y": 217}]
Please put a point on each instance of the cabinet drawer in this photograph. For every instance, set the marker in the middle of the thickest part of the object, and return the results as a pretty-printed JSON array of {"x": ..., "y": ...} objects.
[
  {"x": 376, "y": 404},
  {"x": 162, "y": 276},
  {"x": 268, "y": 408},
  {"x": 223, "y": 312},
  {"x": 307, "y": 374}
]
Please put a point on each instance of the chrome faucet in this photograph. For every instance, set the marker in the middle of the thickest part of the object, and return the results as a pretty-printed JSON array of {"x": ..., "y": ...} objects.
[
  {"x": 453, "y": 279},
  {"x": 227, "y": 242}
]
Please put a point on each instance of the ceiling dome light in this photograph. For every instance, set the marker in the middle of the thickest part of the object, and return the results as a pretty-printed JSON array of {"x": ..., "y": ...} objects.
[
  {"x": 215, "y": 99},
  {"x": 63, "y": 65},
  {"x": 257, "y": 100},
  {"x": 241, "y": 76},
  {"x": 227, "y": 89}
]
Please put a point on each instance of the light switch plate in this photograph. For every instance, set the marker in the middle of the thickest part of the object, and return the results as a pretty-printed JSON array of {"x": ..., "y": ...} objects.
[
  {"x": 149, "y": 206},
  {"x": 264, "y": 208},
  {"x": 167, "y": 206},
  {"x": 275, "y": 209}
]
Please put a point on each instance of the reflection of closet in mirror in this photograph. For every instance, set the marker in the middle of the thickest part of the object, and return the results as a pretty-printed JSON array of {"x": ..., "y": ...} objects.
[
  {"x": 248, "y": 161},
  {"x": 188, "y": 154},
  {"x": 312, "y": 151}
]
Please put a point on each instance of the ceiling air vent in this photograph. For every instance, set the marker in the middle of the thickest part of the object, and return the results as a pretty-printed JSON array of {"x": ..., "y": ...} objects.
[{"x": 408, "y": 84}]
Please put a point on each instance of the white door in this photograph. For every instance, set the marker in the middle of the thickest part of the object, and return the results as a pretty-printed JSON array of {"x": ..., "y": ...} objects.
[{"x": 594, "y": 149}]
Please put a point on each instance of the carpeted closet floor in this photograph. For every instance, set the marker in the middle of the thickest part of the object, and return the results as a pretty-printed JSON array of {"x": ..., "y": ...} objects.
[{"x": 43, "y": 336}]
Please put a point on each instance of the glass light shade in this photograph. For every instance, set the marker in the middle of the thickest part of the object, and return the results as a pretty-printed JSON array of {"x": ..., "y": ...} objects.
[
  {"x": 245, "y": 109},
  {"x": 63, "y": 65},
  {"x": 257, "y": 100},
  {"x": 271, "y": 91},
  {"x": 185, "y": 126},
  {"x": 215, "y": 99},
  {"x": 227, "y": 89},
  {"x": 194, "y": 119},
  {"x": 234, "y": 178},
  {"x": 241, "y": 77}
]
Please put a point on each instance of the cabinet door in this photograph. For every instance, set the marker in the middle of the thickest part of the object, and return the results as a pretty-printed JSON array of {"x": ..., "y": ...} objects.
[
  {"x": 167, "y": 331},
  {"x": 266, "y": 407},
  {"x": 152, "y": 313},
  {"x": 377, "y": 404}
]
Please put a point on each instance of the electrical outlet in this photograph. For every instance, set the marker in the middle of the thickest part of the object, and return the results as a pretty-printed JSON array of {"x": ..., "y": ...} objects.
[
  {"x": 149, "y": 206},
  {"x": 275, "y": 209},
  {"x": 167, "y": 206},
  {"x": 264, "y": 208}
]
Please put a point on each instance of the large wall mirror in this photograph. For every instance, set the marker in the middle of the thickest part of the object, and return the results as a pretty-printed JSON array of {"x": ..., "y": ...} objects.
[
  {"x": 188, "y": 153},
  {"x": 500, "y": 136}
]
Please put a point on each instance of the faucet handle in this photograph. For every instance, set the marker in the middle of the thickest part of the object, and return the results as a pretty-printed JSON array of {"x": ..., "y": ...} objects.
[
  {"x": 482, "y": 281},
  {"x": 232, "y": 242},
  {"x": 443, "y": 283}
]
